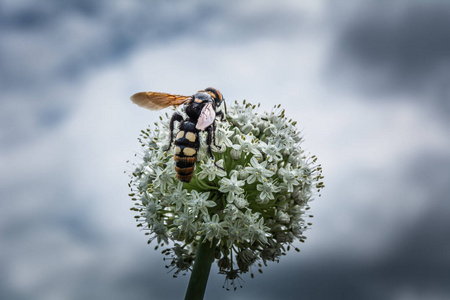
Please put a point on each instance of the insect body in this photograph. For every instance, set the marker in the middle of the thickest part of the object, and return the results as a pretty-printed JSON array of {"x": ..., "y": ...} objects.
[{"x": 201, "y": 110}]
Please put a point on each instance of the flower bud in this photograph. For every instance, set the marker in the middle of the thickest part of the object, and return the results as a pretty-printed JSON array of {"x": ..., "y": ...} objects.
[
  {"x": 240, "y": 202},
  {"x": 283, "y": 217},
  {"x": 247, "y": 128},
  {"x": 235, "y": 154},
  {"x": 224, "y": 263}
]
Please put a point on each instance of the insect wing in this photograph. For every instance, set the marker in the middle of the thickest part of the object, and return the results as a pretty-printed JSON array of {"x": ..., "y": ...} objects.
[
  {"x": 156, "y": 101},
  {"x": 206, "y": 118}
]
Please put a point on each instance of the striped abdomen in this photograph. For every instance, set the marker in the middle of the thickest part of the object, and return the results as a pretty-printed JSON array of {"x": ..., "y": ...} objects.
[{"x": 186, "y": 147}]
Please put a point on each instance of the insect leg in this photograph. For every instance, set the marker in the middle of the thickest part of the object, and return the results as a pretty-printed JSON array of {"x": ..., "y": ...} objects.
[
  {"x": 213, "y": 137},
  {"x": 221, "y": 115},
  {"x": 175, "y": 117},
  {"x": 209, "y": 139}
]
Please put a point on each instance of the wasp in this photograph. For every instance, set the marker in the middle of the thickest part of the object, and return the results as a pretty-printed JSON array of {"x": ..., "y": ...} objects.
[{"x": 201, "y": 109}]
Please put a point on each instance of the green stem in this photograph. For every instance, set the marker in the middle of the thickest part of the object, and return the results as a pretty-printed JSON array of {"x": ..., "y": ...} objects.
[{"x": 200, "y": 273}]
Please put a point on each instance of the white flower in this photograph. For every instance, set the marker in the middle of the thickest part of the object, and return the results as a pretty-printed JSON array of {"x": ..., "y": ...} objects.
[
  {"x": 231, "y": 185},
  {"x": 290, "y": 177},
  {"x": 153, "y": 209},
  {"x": 245, "y": 143},
  {"x": 231, "y": 212},
  {"x": 213, "y": 227},
  {"x": 236, "y": 232},
  {"x": 200, "y": 203},
  {"x": 160, "y": 231},
  {"x": 257, "y": 231},
  {"x": 186, "y": 223},
  {"x": 177, "y": 196},
  {"x": 272, "y": 152},
  {"x": 223, "y": 135},
  {"x": 267, "y": 188},
  {"x": 241, "y": 115},
  {"x": 258, "y": 171},
  {"x": 164, "y": 178},
  {"x": 210, "y": 170},
  {"x": 253, "y": 206}
]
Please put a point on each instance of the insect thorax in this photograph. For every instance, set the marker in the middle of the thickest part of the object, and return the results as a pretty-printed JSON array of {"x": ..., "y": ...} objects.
[{"x": 194, "y": 108}]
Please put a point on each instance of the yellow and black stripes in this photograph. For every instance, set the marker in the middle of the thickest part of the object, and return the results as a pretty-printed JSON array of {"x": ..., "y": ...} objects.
[
  {"x": 186, "y": 147},
  {"x": 201, "y": 111}
]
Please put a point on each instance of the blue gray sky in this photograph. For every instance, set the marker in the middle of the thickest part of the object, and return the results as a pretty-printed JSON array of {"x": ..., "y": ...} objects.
[{"x": 367, "y": 82}]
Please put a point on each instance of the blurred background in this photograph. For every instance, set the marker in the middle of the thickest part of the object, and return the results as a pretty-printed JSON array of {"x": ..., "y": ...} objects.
[{"x": 367, "y": 81}]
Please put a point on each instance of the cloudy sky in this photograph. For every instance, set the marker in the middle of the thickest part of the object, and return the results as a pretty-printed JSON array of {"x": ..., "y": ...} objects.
[{"x": 367, "y": 82}]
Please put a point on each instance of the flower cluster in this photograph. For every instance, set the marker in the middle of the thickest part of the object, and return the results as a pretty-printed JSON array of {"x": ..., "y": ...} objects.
[{"x": 252, "y": 210}]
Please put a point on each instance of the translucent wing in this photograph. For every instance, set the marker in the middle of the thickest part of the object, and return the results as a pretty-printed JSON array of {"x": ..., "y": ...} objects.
[
  {"x": 206, "y": 118},
  {"x": 156, "y": 101}
]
